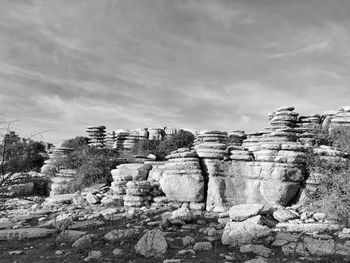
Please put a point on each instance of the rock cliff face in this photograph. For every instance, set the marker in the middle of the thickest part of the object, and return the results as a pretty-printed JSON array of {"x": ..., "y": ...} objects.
[{"x": 267, "y": 167}]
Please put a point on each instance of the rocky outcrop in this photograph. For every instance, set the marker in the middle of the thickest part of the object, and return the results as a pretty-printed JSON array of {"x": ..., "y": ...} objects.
[
  {"x": 130, "y": 183},
  {"x": 182, "y": 179},
  {"x": 341, "y": 118},
  {"x": 211, "y": 145},
  {"x": 97, "y": 136},
  {"x": 127, "y": 139}
]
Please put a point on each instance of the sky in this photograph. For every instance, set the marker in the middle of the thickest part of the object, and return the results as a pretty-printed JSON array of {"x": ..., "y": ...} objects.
[{"x": 199, "y": 64}]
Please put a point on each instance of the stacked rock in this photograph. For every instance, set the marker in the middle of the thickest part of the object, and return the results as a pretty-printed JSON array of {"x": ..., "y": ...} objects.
[
  {"x": 61, "y": 181},
  {"x": 155, "y": 134},
  {"x": 57, "y": 156},
  {"x": 137, "y": 193},
  {"x": 310, "y": 127},
  {"x": 236, "y": 138},
  {"x": 211, "y": 145},
  {"x": 182, "y": 179},
  {"x": 279, "y": 159},
  {"x": 341, "y": 118},
  {"x": 97, "y": 135},
  {"x": 312, "y": 122},
  {"x": 239, "y": 153},
  {"x": 168, "y": 131},
  {"x": 127, "y": 139},
  {"x": 125, "y": 173},
  {"x": 284, "y": 117},
  {"x": 110, "y": 139},
  {"x": 252, "y": 143}
]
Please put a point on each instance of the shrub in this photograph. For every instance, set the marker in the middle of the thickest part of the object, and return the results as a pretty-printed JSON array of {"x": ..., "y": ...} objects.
[
  {"x": 76, "y": 143},
  {"x": 332, "y": 194},
  {"x": 162, "y": 148},
  {"x": 340, "y": 138},
  {"x": 93, "y": 165},
  {"x": 19, "y": 155}
]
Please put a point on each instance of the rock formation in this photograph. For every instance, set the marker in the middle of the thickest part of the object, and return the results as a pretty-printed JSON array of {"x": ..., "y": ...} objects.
[
  {"x": 97, "y": 135},
  {"x": 182, "y": 179}
]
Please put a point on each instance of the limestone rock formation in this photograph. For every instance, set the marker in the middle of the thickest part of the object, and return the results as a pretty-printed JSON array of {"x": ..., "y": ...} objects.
[
  {"x": 97, "y": 135},
  {"x": 136, "y": 174},
  {"x": 211, "y": 145},
  {"x": 341, "y": 118},
  {"x": 182, "y": 179}
]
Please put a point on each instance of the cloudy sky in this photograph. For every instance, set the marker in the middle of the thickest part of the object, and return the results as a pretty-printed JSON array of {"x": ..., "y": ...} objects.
[{"x": 225, "y": 64}]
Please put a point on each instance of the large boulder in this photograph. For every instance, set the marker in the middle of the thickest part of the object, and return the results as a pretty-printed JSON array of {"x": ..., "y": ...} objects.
[
  {"x": 246, "y": 232},
  {"x": 183, "y": 186}
]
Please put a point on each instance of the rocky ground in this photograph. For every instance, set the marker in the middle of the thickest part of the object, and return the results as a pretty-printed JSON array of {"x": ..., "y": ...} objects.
[{"x": 69, "y": 228}]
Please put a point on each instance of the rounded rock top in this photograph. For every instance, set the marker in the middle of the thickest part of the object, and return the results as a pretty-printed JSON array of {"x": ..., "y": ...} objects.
[{"x": 286, "y": 108}]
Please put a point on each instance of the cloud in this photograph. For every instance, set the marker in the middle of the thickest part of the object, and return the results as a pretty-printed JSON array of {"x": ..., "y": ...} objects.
[{"x": 197, "y": 64}]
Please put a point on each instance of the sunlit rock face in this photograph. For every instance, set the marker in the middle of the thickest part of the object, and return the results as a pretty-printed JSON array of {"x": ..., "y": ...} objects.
[{"x": 182, "y": 179}]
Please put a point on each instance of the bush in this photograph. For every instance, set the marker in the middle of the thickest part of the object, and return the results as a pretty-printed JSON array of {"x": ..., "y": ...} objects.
[
  {"x": 93, "y": 165},
  {"x": 340, "y": 138},
  {"x": 332, "y": 195},
  {"x": 76, "y": 143},
  {"x": 162, "y": 148},
  {"x": 19, "y": 155}
]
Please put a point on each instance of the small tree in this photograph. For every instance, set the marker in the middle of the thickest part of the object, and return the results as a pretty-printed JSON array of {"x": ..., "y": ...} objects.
[{"x": 19, "y": 155}]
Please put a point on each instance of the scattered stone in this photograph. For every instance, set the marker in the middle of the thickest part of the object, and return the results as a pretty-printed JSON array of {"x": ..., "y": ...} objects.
[
  {"x": 188, "y": 241},
  {"x": 259, "y": 250},
  {"x": 244, "y": 211},
  {"x": 83, "y": 243},
  {"x": 285, "y": 215},
  {"x": 117, "y": 252},
  {"x": 152, "y": 244},
  {"x": 246, "y": 232},
  {"x": 93, "y": 255},
  {"x": 70, "y": 236},
  {"x": 120, "y": 234},
  {"x": 15, "y": 252},
  {"x": 202, "y": 246},
  {"x": 25, "y": 233}
]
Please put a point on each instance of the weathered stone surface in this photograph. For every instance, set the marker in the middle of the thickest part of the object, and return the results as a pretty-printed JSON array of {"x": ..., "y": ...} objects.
[
  {"x": 184, "y": 187},
  {"x": 25, "y": 233},
  {"x": 70, "y": 236},
  {"x": 152, "y": 244},
  {"x": 246, "y": 232},
  {"x": 284, "y": 215},
  {"x": 131, "y": 171},
  {"x": 202, "y": 246},
  {"x": 188, "y": 241},
  {"x": 259, "y": 250},
  {"x": 83, "y": 243},
  {"x": 244, "y": 211},
  {"x": 120, "y": 234},
  {"x": 184, "y": 214},
  {"x": 307, "y": 228}
]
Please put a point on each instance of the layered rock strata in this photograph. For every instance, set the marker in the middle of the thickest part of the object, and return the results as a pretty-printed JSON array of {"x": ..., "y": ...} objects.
[
  {"x": 97, "y": 136},
  {"x": 134, "y": 173},
  {"x": 211, "y": 145},
  {"x": 182, "y": 179}
]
